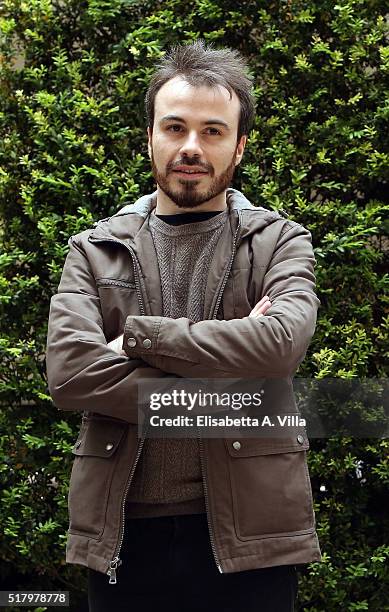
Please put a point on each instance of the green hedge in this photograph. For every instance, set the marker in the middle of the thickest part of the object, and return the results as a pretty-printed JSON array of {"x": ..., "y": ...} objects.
[{"x": 73, "y": 149}]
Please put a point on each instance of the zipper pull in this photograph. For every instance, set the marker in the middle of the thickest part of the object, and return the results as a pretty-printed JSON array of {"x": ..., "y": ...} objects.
[{"x": 112, "y": 570}]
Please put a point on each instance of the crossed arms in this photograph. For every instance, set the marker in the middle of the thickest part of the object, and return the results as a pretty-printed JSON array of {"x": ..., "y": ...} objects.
[
  {"x": 258, "y": 311},
  {"x": 84, "y": 373}
]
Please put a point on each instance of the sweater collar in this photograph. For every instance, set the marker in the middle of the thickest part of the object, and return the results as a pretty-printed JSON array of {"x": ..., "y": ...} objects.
[{"x": 126, "y": 222}]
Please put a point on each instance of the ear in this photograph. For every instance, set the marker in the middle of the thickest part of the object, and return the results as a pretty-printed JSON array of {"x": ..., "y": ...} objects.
[
  {"x": 149, "y": 136},
  {"x": 240, "y": 148}
]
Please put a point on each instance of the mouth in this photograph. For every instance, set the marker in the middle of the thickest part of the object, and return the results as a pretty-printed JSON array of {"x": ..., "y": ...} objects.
[{"x": 189, "y": 173}]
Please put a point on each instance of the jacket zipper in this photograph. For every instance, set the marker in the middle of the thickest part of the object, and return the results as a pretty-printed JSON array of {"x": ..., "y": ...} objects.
[
  {"x": 215, "y": 311},
  {"x": 203, "y": 468},
  {"x": 116, "y": 561},
  {"x": 205, "y": 486}
]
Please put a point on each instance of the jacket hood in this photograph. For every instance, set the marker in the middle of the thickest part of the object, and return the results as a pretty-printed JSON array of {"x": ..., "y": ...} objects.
[{"x": 126, "y": 223}]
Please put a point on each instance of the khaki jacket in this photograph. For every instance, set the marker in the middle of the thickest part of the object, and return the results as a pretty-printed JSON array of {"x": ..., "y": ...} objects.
[{"x": 257, "y": 490}]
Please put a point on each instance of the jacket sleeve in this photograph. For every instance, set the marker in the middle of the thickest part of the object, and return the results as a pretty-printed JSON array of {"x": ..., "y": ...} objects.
[
  {"x": 83, "y": 372},
  {"x": 272, "y": 346}
]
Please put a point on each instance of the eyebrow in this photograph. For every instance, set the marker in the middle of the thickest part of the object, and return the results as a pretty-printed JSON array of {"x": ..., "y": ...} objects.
[{"x": 208, "y": 122}]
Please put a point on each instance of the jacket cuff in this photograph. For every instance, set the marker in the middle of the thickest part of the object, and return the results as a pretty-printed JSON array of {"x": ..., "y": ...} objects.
[{"x": 140, "y": 336}]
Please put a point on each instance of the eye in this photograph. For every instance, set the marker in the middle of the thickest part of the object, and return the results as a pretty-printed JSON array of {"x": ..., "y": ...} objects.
[
  {"x": 214, "y": 131},
  {"x": 172, "y": 128}
]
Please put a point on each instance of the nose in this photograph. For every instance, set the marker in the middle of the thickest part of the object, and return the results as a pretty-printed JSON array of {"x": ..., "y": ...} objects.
[{"x": 191, "y": 146}]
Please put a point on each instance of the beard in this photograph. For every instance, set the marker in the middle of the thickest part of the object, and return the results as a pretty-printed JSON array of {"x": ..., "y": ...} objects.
[{"x": 190, "y": 195}]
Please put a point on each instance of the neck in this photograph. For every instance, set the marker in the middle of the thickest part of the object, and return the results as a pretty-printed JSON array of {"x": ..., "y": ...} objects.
[{"x": 166, "y": 206}]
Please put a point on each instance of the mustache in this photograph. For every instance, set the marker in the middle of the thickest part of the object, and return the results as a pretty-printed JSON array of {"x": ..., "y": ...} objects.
[{"x": 188, "y": 162}]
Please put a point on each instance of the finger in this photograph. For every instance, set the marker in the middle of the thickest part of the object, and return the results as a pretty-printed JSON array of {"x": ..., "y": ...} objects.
[
  {"x": 260, "y": 309},
  {"x": 261, "y": 302},
  {"x": 261, "y": 313},
  {"x": 265, "y": 306},
  {"x": 115, "y": 345}
]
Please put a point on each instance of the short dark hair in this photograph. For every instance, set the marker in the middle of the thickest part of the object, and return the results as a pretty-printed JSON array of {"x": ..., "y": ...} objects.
[{"x": 201, "y": 64}]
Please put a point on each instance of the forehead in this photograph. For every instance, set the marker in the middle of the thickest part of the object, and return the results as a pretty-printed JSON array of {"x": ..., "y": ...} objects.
[{"x": 178, "y": 97}]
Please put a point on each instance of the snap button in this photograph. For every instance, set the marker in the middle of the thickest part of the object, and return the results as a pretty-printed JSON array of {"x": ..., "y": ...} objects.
[
  {"x": 236, "y": 445},
  {"x": 147, "y": 343},
  {"x": 108, "y": 446},
  {"x": 300, "y": 439},
  {"x": 131, "y": 342}
]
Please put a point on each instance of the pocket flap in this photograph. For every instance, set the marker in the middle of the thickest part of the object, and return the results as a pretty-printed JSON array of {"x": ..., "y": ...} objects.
[
  {"x": 251, "y": 447},
  {"x": 99, "y": 437}
]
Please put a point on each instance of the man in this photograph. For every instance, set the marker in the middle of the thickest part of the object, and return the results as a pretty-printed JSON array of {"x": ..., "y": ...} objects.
[{"x": 192, "y": 281}]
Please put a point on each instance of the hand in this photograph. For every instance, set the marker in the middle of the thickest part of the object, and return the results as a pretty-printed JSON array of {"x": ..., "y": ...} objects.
[
  {"x": 116, "y": 345},
  {"x": 261, "y": 307}
]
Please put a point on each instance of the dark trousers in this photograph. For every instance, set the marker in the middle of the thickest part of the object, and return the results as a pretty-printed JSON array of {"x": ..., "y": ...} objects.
[{"x": 168, "y": 564}]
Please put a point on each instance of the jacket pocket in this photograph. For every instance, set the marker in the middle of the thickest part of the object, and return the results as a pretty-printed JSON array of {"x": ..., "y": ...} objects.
[
  {"x": 118, "y": 298},
  {"x": 270, "y": 486},
  {"x": 93, "y": 467},
  {"x": 115, "y": 282}
]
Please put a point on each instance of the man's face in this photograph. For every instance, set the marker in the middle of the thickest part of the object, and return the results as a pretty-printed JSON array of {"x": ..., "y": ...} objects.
[{"x": 193, "y": 145}]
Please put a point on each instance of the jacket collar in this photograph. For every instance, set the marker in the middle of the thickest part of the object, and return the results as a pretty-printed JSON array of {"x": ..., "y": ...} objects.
[{"x": 126, "y": 223}]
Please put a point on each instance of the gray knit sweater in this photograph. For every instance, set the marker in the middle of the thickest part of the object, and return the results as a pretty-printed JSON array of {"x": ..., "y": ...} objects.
[{"x": 168, "y": 479}]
